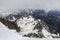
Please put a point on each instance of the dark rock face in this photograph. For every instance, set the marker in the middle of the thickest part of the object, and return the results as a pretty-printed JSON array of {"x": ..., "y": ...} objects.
[
  {"x": 55, "y": 37},
  {"x": 38, "y": 26},
  {"x": 32, "y": 35},
  {"x": 40, "y": 35},
  {"x": 10, "y": 25},
  {"x": 52, "y": 30},
  {"x": 10, "y": 17}
]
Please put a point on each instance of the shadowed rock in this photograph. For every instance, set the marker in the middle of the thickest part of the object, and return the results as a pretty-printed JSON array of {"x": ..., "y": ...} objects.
[
  {"x": 32, "y": 35},
  {"x": 10, "y": 25},
  {"x": 38, "y": 26}
]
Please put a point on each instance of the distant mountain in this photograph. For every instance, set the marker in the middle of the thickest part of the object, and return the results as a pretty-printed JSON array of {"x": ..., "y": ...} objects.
[{"x": 51, "y": 18}]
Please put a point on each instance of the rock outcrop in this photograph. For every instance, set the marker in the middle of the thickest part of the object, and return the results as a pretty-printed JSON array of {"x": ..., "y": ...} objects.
[{"x": 10, "y": 25}]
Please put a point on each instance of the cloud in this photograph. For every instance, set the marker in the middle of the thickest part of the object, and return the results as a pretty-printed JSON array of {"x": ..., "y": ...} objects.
[{"x": 32, "y": 4}]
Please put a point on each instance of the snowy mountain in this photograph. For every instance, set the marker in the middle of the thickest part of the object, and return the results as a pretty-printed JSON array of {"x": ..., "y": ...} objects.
[{"x": 33, "y": 23}]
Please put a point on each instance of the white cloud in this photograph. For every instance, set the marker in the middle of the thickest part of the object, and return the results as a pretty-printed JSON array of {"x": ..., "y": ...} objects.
[{"x": 45, "y": 4}]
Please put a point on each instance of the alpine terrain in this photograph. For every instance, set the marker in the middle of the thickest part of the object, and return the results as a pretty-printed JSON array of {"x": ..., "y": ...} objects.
[{"x": 33, "y": 23}]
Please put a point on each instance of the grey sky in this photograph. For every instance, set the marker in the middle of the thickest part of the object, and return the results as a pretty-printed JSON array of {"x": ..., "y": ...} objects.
[{"x": 45, "y": 4}]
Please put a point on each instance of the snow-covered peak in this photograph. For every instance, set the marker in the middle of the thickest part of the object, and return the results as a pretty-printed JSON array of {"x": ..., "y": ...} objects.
[
  {"x": 27, "y": 24},
  {"x": 34, "y": 28}
]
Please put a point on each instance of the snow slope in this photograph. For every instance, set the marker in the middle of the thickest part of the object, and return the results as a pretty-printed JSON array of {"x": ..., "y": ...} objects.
[{"x": 6, "y": 34}]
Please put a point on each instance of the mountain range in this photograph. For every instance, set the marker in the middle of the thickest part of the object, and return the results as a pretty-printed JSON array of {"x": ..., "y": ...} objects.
[{"x": 35, "y": 23}]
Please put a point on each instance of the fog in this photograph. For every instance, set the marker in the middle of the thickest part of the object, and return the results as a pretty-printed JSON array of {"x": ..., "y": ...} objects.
[{"x": 30, "y": 4}]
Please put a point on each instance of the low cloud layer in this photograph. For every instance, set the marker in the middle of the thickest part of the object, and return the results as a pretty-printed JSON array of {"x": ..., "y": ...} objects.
[{"x": 30, "y": 4}]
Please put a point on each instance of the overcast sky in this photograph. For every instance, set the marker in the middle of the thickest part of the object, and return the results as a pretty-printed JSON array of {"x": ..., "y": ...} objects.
[{"x": 33, "y": 4}]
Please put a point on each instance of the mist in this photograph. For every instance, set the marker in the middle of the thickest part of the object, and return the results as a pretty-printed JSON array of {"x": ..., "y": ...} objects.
[{"x": 30, "y": 4}]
